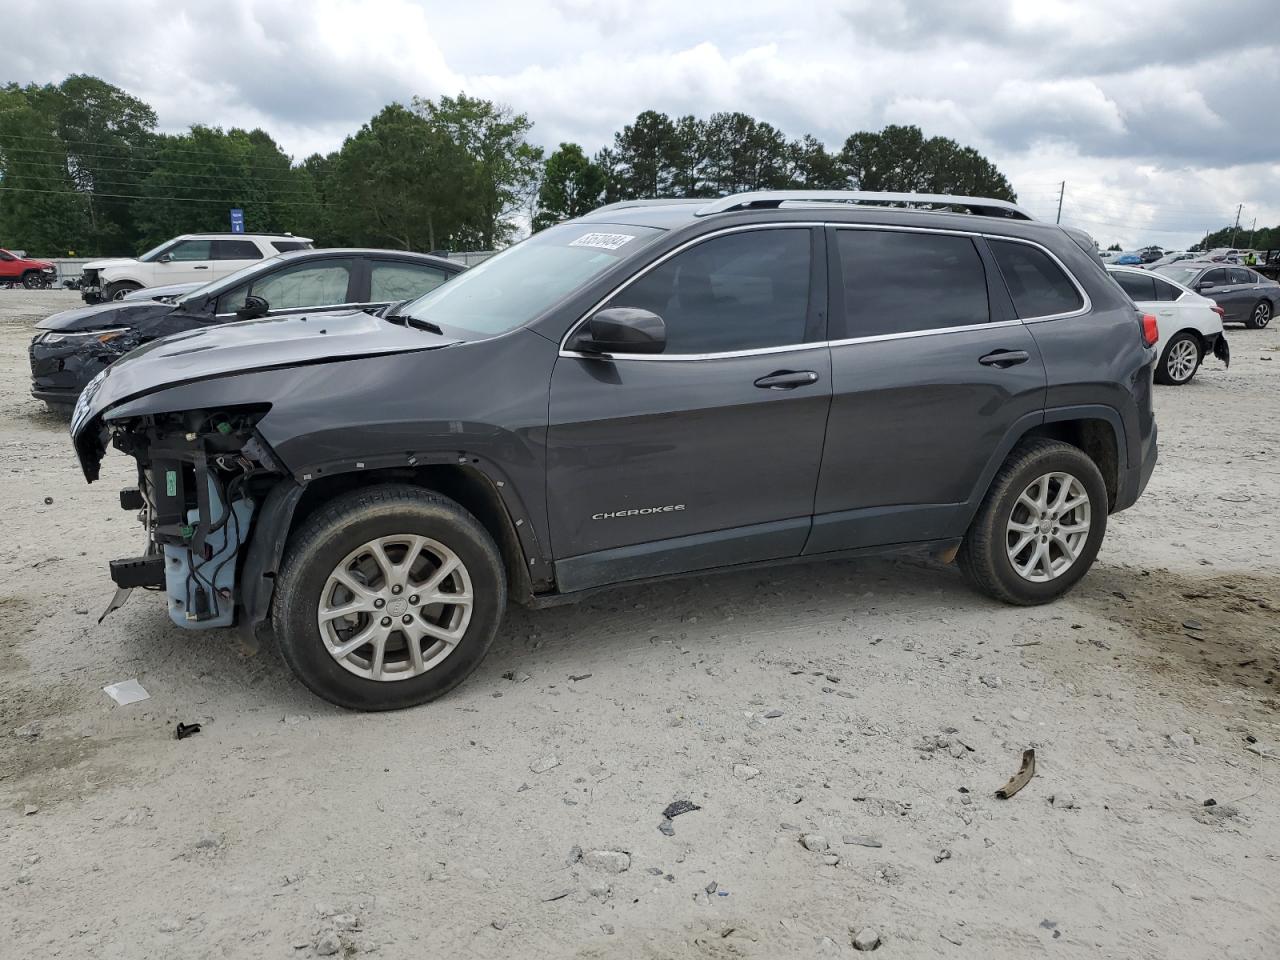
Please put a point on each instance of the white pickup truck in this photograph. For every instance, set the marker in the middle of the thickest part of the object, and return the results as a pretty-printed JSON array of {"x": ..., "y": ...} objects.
[{"x": 190, "y": 258}]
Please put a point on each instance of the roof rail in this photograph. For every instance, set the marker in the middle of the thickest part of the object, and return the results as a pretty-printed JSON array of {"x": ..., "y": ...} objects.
[
  {"x": 766, "y": 199},
  {"x": 660, "y": 202}
]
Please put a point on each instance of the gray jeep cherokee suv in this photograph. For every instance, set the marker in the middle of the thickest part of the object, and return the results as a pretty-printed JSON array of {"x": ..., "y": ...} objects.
[{"x": 656, "y": 388}]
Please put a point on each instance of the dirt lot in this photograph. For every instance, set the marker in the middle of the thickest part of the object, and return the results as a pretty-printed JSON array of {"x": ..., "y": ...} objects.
[{"x": 876, "y": 699}]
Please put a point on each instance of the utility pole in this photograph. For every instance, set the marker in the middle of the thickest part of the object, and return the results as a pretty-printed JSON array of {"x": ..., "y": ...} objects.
[
  {"x": 1062, "y": 192},
  {"x": 1236, "y": 228},
  {"x": 1251, "y": 232}
]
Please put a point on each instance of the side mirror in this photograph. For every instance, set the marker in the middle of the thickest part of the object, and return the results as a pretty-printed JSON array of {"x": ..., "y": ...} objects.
[
  {"x": 622, "y": 330},
  {"x": 1204, "y": 285},
  {"x": 254, "y": 307},
  {"x": 166, "y": 258}
]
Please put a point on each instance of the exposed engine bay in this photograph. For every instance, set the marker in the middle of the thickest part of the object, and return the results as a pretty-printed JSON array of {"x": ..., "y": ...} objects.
[{"x": 201, "y": 476}]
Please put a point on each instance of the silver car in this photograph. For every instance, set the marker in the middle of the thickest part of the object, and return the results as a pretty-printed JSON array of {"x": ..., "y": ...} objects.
[{"x": 1244, "y": 295}]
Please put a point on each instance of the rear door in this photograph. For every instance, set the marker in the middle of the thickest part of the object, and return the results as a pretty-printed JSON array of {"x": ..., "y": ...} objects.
[
  {"x": 930, "y": 372},
  {"x": 705, "y": 455},
  {"x": 231, "y": 255}
]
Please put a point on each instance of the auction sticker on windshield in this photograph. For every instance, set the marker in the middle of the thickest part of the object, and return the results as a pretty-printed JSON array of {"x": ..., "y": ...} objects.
[{"x": 605, "y": 241}]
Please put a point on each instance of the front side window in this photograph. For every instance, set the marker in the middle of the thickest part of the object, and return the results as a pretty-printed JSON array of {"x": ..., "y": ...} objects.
[
  {"x": 191, "y": 250},
  {"x": 1217, "y": 278},
  {"x": 908, "y": 282},
  {"x": 390, "y": 282},
  {"x": 6, "y": 255},
  {"x": 739, "y": 291},
  {"x": 236, "y": 250},
  {"x": 312, "y": 284},
  {"x": 1038, "y": 286},
  {"x": 1141, "y": 289},
  {"x": 522, "y": 282}
]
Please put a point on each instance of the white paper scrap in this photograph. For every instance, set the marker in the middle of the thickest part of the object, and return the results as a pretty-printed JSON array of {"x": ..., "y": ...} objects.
[{"x": 126, "y": 692}]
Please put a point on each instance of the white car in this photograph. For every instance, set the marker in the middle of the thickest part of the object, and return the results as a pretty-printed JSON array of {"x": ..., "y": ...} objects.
[
  {"x": 1190, "y": 325},
  {"x": 190, "y": 258}
]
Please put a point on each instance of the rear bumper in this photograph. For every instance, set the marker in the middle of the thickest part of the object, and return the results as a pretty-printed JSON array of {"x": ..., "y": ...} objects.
[{"x": 1133, "y": 480}]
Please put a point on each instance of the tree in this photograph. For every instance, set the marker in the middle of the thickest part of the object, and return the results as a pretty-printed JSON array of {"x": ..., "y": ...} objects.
[
  {"x": 571, "y": 186},
  {"x": 900, "y": 159},
  {"x": 811, "y": 167},
  {"x": 644, "y": 152},
  {"x": 1116, "y": 247},
  {"x": 504, "y": 166}
]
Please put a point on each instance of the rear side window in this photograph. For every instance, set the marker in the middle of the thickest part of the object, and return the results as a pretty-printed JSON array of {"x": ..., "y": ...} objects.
[
  {"x": 907, "y": 282},
  {"x": 741, "y": 291},
  {"x": 1240, "y": 275},
  {"x": 236, "y": 250},
  {"x": 285, "y": 245},
  {"x": 1140, "y": 289},
  {"x": 390, "y": 281},
  {"x": 1166, "y": 291},
  {"x": 1038, "y": 286}
]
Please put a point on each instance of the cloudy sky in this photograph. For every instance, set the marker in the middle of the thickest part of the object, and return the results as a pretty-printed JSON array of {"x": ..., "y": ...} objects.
[{"x": 1161, "y": 115}]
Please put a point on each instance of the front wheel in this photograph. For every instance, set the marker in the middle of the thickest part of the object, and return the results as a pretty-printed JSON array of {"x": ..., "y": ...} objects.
[
  {"x": 388, "y": 597},
  {"x": 1040, "y": 526},
  {"x": 118, "y": 290},
  {"x": 32, "y": 280},
  {"x": 1180, "y": 360},
  {"x": 1259, "y": 316}
]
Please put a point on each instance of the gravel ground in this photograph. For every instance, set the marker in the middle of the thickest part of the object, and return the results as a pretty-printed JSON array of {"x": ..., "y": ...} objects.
[{"x": 871, "y": 699}]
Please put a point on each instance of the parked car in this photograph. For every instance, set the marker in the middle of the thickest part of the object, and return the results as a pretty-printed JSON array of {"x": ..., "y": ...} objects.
[
  {"x": 653, "y": 389},
  {"x": 1190, "y": 325},
  {"x": 1172, "y": 257},
  {"x": 1128, "y": 260},
  {"x": 72, "y": 347},
  {"x": 1244, "y": 294},
  {"x": 190, "y": 258},
  {"x": 1150, "y": 254},
  {"x": 30, "y": 273},
  {"x": 170, "y": 291}
]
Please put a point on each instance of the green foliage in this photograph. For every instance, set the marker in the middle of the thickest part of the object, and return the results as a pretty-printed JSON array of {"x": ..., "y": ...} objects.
[
  {"x": 1116, "y": 247},
  {"x": 900, "y": 159},
  {"x": 571, "y": 186},
  {"x": 1263, "y": 238}
]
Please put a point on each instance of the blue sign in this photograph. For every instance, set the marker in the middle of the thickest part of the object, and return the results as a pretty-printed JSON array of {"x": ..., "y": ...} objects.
[{"x": 237, "y": 220}]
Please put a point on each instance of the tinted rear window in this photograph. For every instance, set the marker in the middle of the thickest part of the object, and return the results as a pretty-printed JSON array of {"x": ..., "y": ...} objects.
[
  {"x": 1038, "y": 286},
  {"x": 905, "y": 282},
  {"x": 284, "y": 245},
  {"x": 1166, "y": 291},
  {"x": 1139, "y": 288},
  {"x": 236, "y": 250}
]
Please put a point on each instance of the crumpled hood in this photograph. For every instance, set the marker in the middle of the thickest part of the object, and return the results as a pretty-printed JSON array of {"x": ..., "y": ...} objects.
[
  {"x": 170, "y": 290},
  {"x": 108, "y": 262},
  {"x": 99, "y": 316},
  {"x": 229, "y": 349}
]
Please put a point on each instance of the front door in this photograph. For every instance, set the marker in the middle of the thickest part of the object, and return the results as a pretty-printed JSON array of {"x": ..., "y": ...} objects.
[
  {"x": 186, "y": 262},
  {"x": 707, "y": 454},
  {"x": 927, "y": 382}
]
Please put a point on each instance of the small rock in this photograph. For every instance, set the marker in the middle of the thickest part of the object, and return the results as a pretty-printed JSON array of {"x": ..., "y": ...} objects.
[
  {"x": 866, "y": 939},
  {"x": 1182, "y": 741},
  {"x": 499, "y": 924},
  {"x": 24, "y": 876},
  {"x": 677, "y": 807},
  {"x": 169, "y": 925},
  {"x": 345, "y": 921},
  {"x": 943, "y": 854},
  {"x": 1192, "y": 625},
  {"x": 858, "y": 840},
  {"x": 711, "y": 888},
  {"x": 29, "y": 731},
  {"x": 773, "y": 715},
  {"x": 610, "y": 861},
  {"x": 744, "y": 772},
  {"x": 293, "y": 719},
  {"x": 543, "y": 764},
  {"x": 209, "y": 842},
  {"x": 815, "y": 842},
  {"x": 328, "y": 945},
  {"x": 831, "y": 859},
  {"x": 606, "y": 929},
  {"x": 30, "y": 810},
  {"x": 1063, "y": 801},
  {"x": 991, "y": 681},
  {"x": 847, "y": 694},
  {"x": 1021, "y": 716}
]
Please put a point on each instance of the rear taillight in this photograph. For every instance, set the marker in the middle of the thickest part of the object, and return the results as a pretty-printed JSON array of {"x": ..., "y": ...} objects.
[
  {"x": 1150, "y": 330},
  {"x": 1222, "y": 314}
]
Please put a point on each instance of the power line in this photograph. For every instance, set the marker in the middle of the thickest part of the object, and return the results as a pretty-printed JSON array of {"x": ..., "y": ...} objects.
[{"x": 134, "y": 196}]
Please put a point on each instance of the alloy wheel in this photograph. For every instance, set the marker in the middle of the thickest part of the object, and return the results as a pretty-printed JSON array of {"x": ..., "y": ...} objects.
[
  {"x": 1262, "y": 314},
  {"x": 395, "y": 607},
  {"x": 1048, "y": 527},
  {"x": 1182, "y": 360}
]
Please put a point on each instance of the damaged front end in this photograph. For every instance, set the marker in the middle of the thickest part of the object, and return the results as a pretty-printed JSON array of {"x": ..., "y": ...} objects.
[{"x": 201, "y": 478}]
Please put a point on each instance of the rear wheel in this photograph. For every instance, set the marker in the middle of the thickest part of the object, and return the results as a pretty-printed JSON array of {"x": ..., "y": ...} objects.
[
  {"x": 388, "y": 597},
  {"x": 1259, "y": 316},
  {"x": 1180, "y": 360},
  {"x": 31, "y": 280},
  {"x": 1040, "y": 526},
  {"x": 117, "y": 290}
]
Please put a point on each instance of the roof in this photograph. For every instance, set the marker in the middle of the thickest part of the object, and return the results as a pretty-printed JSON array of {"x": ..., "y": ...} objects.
[
  {"x": 221, "y": 234},
  {"x": 319, "y": 252}
]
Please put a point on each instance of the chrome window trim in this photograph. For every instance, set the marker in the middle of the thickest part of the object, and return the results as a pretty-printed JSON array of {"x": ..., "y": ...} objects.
[
  {"x": 313, "y": 306},
  {"x": 872, "y": 338},
  {"x": 1087, "y": 303}
]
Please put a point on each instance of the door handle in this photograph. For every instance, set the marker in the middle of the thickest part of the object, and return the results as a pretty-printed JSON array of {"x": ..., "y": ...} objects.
[
  {"x": 200, "y": 268},
  {"x": 1004, "y": 358},
  {"x": 787, "y": 379}
]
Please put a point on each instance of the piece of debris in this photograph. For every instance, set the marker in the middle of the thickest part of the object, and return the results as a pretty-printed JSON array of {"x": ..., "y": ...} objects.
[
  {"x": 773, "y": 715},
  {"x": 744, "y": 772},
  {"x": 293, "y": 719},
  {"x": 991, "y": 681},
  {"x": 1182, "y": 740},
  {"x": 943, "y": 854},
  {"x": 610, "y": 861},
  {"x": 559, "y": 894},
  {"x": 499, "y": 924},
  {"x": 48, "y": 501},
  {"x": 581, "y": 676},
  {"x": 1210, "y": 802},
  {"x": 831, "y": 859},
  {"x": 858, "y": 840},
  {"x": 1063, "y": 801},
  {"x": 677, "y": 807},
  {"x": 543, "y": 764},
  {"x": 328, "y": 945},
  {"x": 1262, "y": 751},
  {"x": 815, "y": 842},
  {"x": 1192, "y": 625},
  {"x": 184, "y": 730},
  {"x": 30, "y": 810},
  {"x": 667, "y": 828},
  {"x": 711, "y": 887},
  {"x": 866, "y": 939},
  {"x": 126, "y": 692},
  {"x": 1022, "y": 777},
  {"x": 29, "y": 731}
]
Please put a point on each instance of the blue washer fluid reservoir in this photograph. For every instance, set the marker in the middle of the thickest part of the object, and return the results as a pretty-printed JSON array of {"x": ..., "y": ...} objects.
[{"x": 184, "y": 572}]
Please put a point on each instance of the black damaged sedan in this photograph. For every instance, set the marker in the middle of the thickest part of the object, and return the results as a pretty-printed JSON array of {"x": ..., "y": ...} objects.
[{"x": 72, "y": 347}]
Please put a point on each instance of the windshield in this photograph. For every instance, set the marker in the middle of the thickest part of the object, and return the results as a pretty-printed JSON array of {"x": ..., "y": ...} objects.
[
  {"x": 510, "y": 289},
  {"x": 156, "y": 251},
  {"x": 1176, "y": 271},
  {"x": 230, "y": 280}
]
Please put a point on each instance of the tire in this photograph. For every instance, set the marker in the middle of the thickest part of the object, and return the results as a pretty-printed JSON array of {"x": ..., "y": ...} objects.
[
  {"x": 31, "y": 280},
  {"x": 984, "y": 555},
  {"x": 117, "y": 290},
  {"x": 1259, "y": 315},
  {"x": 1177, "y": 366},
  {"x": 327, "y": 541}
]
